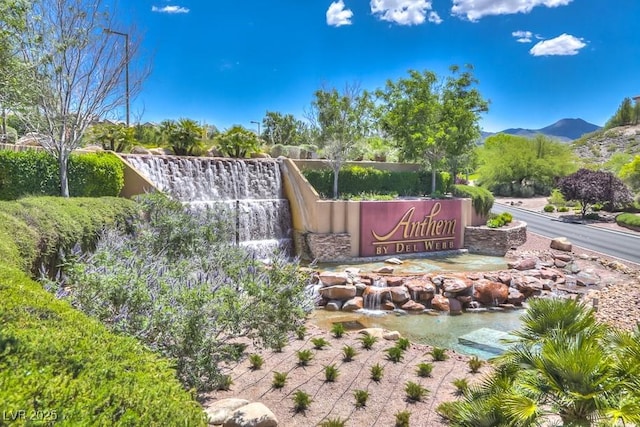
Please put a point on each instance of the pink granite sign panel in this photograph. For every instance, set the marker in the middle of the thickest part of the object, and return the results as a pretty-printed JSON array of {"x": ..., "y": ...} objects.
[{"x": 400, "y": 227}]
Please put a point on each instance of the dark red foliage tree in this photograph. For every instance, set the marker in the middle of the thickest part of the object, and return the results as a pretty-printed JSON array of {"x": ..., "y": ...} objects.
[{"x": 589, "y": 187}]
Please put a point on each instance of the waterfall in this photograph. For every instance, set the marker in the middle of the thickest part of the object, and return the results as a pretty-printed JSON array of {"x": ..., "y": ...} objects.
[
  {"x": 250, "y": 189},
  {"x": 372, "y": 300}
]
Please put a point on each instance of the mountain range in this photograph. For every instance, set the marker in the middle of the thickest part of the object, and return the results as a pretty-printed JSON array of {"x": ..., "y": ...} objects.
[{"x": 564, "y": 130}]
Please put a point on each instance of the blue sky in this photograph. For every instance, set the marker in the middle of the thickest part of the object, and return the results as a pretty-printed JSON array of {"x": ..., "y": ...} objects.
[{"x": 227, "y": 62}]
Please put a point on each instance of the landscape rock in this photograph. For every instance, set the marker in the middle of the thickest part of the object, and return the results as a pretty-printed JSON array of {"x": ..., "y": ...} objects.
[
  {"x": 374, "y": 332},
  {"x": 490, "y": 293},
  {"x": 455, "y": 285},
  {"x": 384, "y": 270},
  {"x": 220, "y": 410},
  {"x": 333, "y": 305},
  {"x": 391, "y": 335},
  {"x": 399, "y": 294},
  {"x": 411, "y": 305},
  {"x": 455, "y": 306},
  {"x": 340, "y": 292},
  {"x": 252, "y": 415},
  {"x": 394, "y": 261},
  {"x": 329, "y": 278},
  {"x": 353, "y": 304},
  {"x": 440, "y": 303},
  {"x": 523, "y": 264},
  {"x": 561, "y": 244},
  {"x": 515, "y": 297},
  {"x": 395, "y": 281}
]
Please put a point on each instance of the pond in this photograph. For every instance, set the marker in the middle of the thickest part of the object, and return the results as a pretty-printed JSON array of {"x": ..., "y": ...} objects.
[{"x": 442, "y": 330}]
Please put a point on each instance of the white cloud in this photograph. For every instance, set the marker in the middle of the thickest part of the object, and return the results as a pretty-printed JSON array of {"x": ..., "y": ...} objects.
[
  {"x": 404, "y": 12},
  {"x": 523, "y": 36},
  {"x": 337, "y": 15},
  {"x": 169, "y": 9},
  {"x": 435, "y": 18},
  {"x": 476, "y": 9},
  {"x": 564, "y": 44}
]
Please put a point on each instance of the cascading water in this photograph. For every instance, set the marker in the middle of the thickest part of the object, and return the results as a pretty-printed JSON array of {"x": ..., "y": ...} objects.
[
  {"x": 372, "y": 297},
  {"x": 251, "y": 190}
]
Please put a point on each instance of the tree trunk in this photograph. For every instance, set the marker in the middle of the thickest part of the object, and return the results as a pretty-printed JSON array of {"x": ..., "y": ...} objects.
[
  {"x": 433, "y": 180},
  {"x": 336, "y": 171},
  {"x": 64, "y": 180}
]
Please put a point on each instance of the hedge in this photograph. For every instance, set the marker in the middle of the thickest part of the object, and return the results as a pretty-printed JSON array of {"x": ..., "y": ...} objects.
[
  {"x": 629, "y": 220},
  {"x": 40, "y": 228},
  {"x": 481, "y": 198},
  {"x": 36, "y": 173},
  {"x": 55, "y": 362},
  {"x": 354, "y": 180}
]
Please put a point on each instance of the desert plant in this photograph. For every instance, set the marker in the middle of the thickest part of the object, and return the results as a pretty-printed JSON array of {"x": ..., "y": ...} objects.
[
  {"x": 461, "y": 385},
  {"x": 279, "y": 379},
  {"x": 331, "y": 373},
  {"x": 279, "y": 344},
  {"x": 338, "y": 330},
  {"x": 403, "y": 343},
  {"x": 424, "y": 369},
  {"x": 225, "y": 382},
  {"x": 255, "y": 361},
  {"x": 549, "y": 208},
  {"x": 402, "y": 418},
  {"x": 319, "y": 343},
  {"x": 301, "y": 332},
  {"x": 475, "y": 364},
  {"x": 334, "y": 422},
  {"x": 415, "y": 392},
  {"x": 348, "y": 353},
  {"x": 439, "y": 354},
  {"x": 376, "y": 372},
  {"x": 368, "y": 341},
  {"x": 301, "y": 401},
  {"x": 361, "y": 398},
  {"x": 304, "y": 357},
  {"x": 395, "y": 354}
]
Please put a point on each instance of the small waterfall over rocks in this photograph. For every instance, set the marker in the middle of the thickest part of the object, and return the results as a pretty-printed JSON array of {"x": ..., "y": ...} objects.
[{"x": 250, "y": 189}]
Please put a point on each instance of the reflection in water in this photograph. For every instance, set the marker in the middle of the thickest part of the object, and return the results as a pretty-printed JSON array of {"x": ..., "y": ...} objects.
[{"x": 439, "y": 331}]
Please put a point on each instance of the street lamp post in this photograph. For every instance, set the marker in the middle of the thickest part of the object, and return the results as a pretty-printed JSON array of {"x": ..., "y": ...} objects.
[
  {"x": 126, "y": 70},
  {"x": 257, "y": 123}
]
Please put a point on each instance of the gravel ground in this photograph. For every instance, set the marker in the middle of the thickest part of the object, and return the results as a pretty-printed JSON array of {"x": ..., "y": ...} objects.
[{"x": 618, "y": 304}]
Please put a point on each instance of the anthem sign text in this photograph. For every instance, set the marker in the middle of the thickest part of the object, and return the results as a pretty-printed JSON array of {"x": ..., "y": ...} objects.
[{"x": 400, "y": 227}]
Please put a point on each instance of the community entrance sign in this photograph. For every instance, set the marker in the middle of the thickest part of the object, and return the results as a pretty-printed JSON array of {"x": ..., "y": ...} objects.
[{"x": 400, "y": 227}]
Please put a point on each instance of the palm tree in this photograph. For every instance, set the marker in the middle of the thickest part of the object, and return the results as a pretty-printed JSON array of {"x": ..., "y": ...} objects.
[{"x": 564, "y": 365}]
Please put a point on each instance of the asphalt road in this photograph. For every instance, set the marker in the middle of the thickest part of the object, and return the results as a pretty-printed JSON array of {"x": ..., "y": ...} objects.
[{"x": 625, "y": 246}]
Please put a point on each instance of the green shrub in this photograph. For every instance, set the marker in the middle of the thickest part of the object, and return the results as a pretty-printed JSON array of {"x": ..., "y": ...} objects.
[
  {"x": 549, "y": 208},
  {"x": 39, "y": 229},
  {"x": 497, "y": 221},
  {"x": 57, "y": 359},
  {"x": 301, "y": 401},
  {"x": 301, "y": 331},
  {"x": 334, "y": 422},
  {"x": 36, "y": 173},
  {"x": 439, "y": 354},
  {"x": 348, "y": 353},
  {"x": 556, "y": 198},
  {"x": 279, "y": 379},
  {"x": 402, "y": 418},
  {"x": 331, "y": 373},
  {"x": 461, "y": 385},
  {"x": 338, "y": 330},
  {"x": 395, "y": 354},
  {"x": 361, "y": 398},
  {"x": 403, "y": 343},
  {"x": 481, "y": 199},
  {"x": 319, "y": 343},
  {"x": 415, "y": 392},
  {"x": 255, "y": 361},
  {"x": 563, "y": 209},
  {"x": 425, "y": 369},
  {"x": 628, "y": 220},
  {"x": 475, "y": 364},
  {"x": 304, "y": 357},
  {"x": 376, "y": 372},
  {"x": 354, "y": 180},
  {"x": 368, "y": 341}
]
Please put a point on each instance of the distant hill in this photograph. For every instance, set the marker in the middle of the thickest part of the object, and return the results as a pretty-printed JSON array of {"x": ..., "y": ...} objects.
[
  {"x": 598, "y": 147},
  {"x": 565, "y": 130}
]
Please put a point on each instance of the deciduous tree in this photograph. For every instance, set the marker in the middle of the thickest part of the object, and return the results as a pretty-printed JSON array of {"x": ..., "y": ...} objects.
[
  {"x": 284, "y": 129},
  {"x": 630, "y": 173},
  {"x": 430, "y": 119},
  {"x": 341, "y": 120},
  {"x": 76, "y": 71},
  {"x": 589, "y": 187}
]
